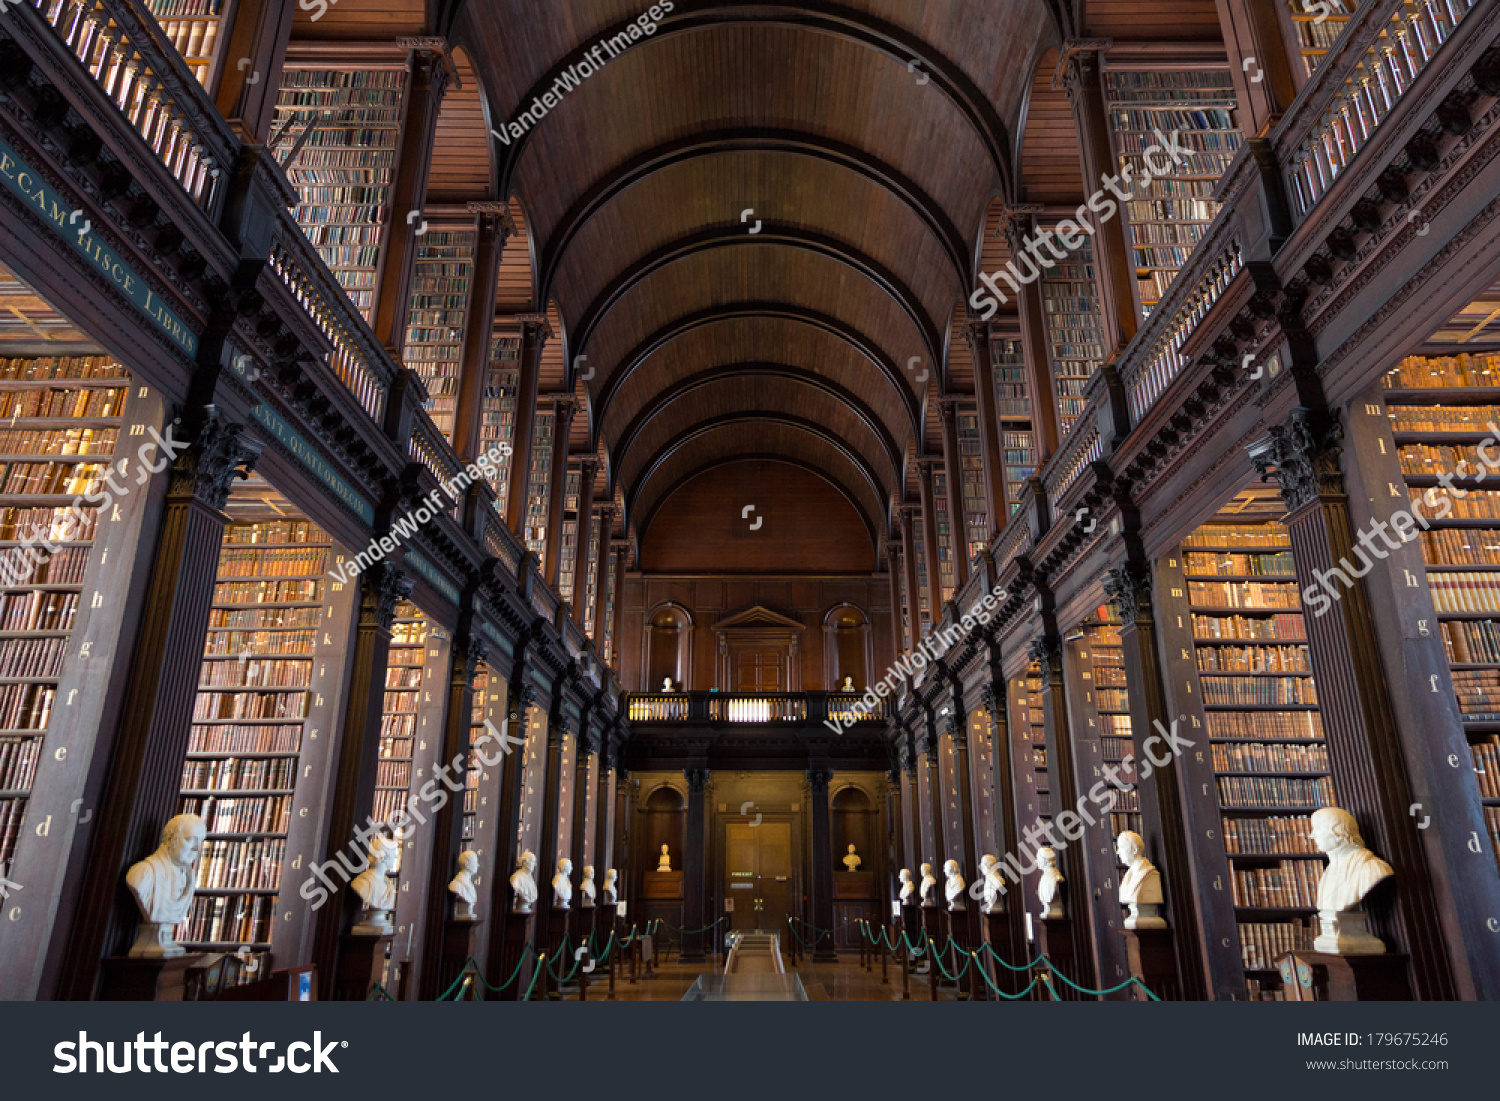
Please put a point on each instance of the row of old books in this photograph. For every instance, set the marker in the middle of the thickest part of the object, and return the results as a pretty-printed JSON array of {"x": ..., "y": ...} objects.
[
  {"x": 1264, "y": 724},
  {"x": 1238, "y": 537},
  {"x": 1486, "y": 766},
  {"x": 249, "y": 619},
  {"x": 94, "y": 402},
  {"x": 1460, "y": 459},
  {"x": 256, "y": 673},
  {"x": 1466, "y": 370},
  {"x": 30, "y": 368},
  {"x": 26, "y": 706},
  {"x": 18, "y": 758},
  {"x": 1290, "y": 883},
  {"x": 273, "y": 531},
  {"x": 1269, "y": 836},
  {"x": 252, "y": 814},
  {"x": 272, "y": 563},
  {"x": 1472, "y": 642},
  {"x": 1227, "y": 563},
  {"x": 268, "y": 592},
  {"x": 60, "y": 525},
  {"x": 239, "y": 774},
  {"x": 245, "y": 739},
  {"x": 1465, "y": 591},
  {"x": 1441, "y": 418},
  {"x": 1258, "y": 691},
  {"x": 1262, "y": 757},
  {"x": 1242, "y": 594},
  {"x": 1271, "y": 792},
  {"x": 228, "y": 919},
  {"x": 68, "y": 479},
  {"x": 1478, "y": 692},
  {"x": 1460, "y": 547},
  {"x": 32, "y": 657},
  {"x": 1470, "y": 504},
  {"x": 234, "y": 643},
  {"x": 1280, "y": 627},
  {"x": 1254, "y": 659},
  {"x": 253, "y": 864},
  {"x": 249, "y": 705},
  {"x": 59, "y": 441},
  {"x": 1263, "y": 942}
]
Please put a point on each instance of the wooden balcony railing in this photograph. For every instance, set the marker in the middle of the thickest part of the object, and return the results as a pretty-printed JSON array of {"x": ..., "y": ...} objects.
[
  {"x": 1380, "y": 54},
  {"x": 1083, "y": 446},
  {"x": 752, "y": 707},
  {"x": 428, "y": 447},
  {"x": 137, "y": 69}
]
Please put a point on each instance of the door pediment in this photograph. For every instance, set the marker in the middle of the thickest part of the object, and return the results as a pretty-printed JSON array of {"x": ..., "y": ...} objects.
[{"x": 759, "y": 616}]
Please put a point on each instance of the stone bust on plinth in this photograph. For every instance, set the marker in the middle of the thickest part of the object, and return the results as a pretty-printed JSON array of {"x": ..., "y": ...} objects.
[
  {"x": 665, "y": 863},
  {"x": 994, "y": 884},
  {"x": 586, "y": 888},
  {"x": 523, "y": 883},
  {"x": 163, "y": 886},
  {"x": 907, "y": 886},
  {"x": 611, "y": 891},
  {"x": 929, "y": 886},
  {"x": 1352, "y": 873},
  {"x": 462, "y": 887},
  {"x": 1049, "y": 888},
  {"x": 852, "y": 861},
  {"x": 375, "y": 889},
  {"x": 562, "y": 885},
  {"x": 666, "y": 684},
  {"x": 953, "y": 888},
  {"x": 1140, "y": 886},
  {"x": 848, "y": 685}
]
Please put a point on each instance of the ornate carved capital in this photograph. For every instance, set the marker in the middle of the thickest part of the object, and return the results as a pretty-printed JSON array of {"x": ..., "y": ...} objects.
[
  {"x": 1303, "y": 456},
  {"x": 1015, "y": 220},
  {"x": 1131, "y": 587},
  {"x": 819, "y": 779},
  {"x": 475, "y": 653},
  {"x": 534, "y": 327},
  {"x": 697, "y": 778},
  {"x": 221, "y": 453},
  {"x": 1047, "y": 653},
  {"x": 384, "y": 588},
  {"x": 948, "y": 409},
  {"x": 522, "y": 695},
  {"x": 978, "y": 334},
  {"x": 1077, "y": 62}
]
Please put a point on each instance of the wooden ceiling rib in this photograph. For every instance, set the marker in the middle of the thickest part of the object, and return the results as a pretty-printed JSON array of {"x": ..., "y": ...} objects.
[
  {"x": 461, "y": 168},
  {"x": 1049, "y": 166},
  {"x": 515, "y": 290}
]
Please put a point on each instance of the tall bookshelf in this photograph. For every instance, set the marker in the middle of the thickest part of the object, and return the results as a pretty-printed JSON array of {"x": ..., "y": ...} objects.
[
  {"x": 535, "y": 518},
  {"x": 335, "y": 134},
  {"x": 192, "y": 26},
  {"x": 591, "y": 574},
  {"x": 1101, "y": 640},
  {"x": 1315, "y": 31},
  {"x": 479, "y": 710},
  {"x": 971, "y": 463},
  {"x": 924, "y": 613},
  {"x": 241, "y": 771},
  {"x": 63, "y": 416},
  {"x": 499, "y": 414},
  {"x": 399, "y": 706},
  {"x": 1438, "y": 406},
  {"x": 1028, "y": 735},
  {"x": 568, "y": 546},
  {"x": 945, "y": 532},
  {"x": 1265, "y": 734},
  {"x": 1170, "y": 215},
  {"x": 1070, "y": 301},
  {"x": 442, "y": 270},
  {"x": 1013, "y": 407}
]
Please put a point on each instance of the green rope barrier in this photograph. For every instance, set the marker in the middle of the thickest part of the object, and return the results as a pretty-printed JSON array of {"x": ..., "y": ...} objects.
[
  {"x": 690, "y": 932},
  {"x": 1132, "y": 981},
  {"x": 1014, "y": 997},
  {"x": 1010, "y": 966},
  {"x": 535, "y": 974},
  {"x": 379, "y": 993},
  {"x": 937, "y": 957},
  {"x": 471, "y": 967}
]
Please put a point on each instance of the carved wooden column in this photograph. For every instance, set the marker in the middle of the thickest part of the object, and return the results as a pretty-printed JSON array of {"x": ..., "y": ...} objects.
[
  {"x": 622, "y": 559},
  {"x": 820, "y": 823},
  {"x": 1010, "y": 944},
  {"x": 908, "y": 514},
  {"x": 448, "y": 822},
  {"x": 534, "y": 333},
  {"x": 958, "y": 526},
  {"x": 508, "y": 931},
  {"x": 563, "y": 409},
  {"x": 981, "y": 348},
  {"x": 424, "y": 95},
  {"x": 963, "y": 847},
  {"x": 604, "y": 816},
  {"x": 931, "y": 747},
  {"x": 548, "y": 931},
  {"x": 583, "y": 810},
  {"x": 695, "y": 869},
  {"x": 1370, "y": 778},
  {"x": 492, "y": 228},
  {"x": 900, "y": 851},
  {"x": 1078, "y": 71},
  {"x": 930, "y": 551},
  {"x": 1018, "y": 224},
  {"x": 893, "y": 569},
  {"x": 359, "y": 749},
  {"x": 250, "y": 65},
  {"x": 1162, "y": 815},
  {"x": 606, "y": 564},
  {"x": 145, "y": 771},
  {"x": 588, "y": 468},
  {"x": 1062, "y": 783}
]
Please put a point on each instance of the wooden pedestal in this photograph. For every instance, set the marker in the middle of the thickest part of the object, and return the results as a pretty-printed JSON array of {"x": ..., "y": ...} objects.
[
  {"x": 518, "y": 934},
  {"x": 459, "y": 939},
  {"x": 361, "y": 965},
  {"x": 996, "y": 935},
  {"x": 1322, "y": 977},
  {"x": 962, "y": 928},
  {"x": 662, "y": 885},
  {"x": 1054, "y": 939},
  {"x": 136, "y": 980},
  {"x": 1150, "y": 957}
]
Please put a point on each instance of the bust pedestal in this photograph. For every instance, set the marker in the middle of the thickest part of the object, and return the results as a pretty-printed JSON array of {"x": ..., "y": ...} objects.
[
  {"x": 961, "y": 927},
  {"x": 460, "y": 943},
  {"x": 154, "y": 979},
  {"x": 518, "y": 933},
  {"x": 1324, "y": 977},
  {"x": 1151, "y": 959},
  {"x": 361, "y": 965},
  {"x": 1054, "y": 939},
  {"x": 1343, "y": 933},
  {"x": 997, "y": 936}
]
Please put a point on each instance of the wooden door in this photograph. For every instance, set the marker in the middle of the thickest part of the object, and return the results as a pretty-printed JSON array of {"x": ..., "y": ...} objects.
[
  {"x": 759, "y": 669},
  {"x": 758, "y": 875}
]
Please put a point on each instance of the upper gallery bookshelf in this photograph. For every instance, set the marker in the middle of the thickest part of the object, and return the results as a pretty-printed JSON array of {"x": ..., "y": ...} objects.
[
  {"x": 62, "y": 422},
  {"x": 441, "y": 273},
  {"x": 568, "y": 549},
  {"x": 1315, "y": 27},
  {"x": 499, "y": 416},
  {"x": 1013, "y": 407},
  {"x": 335, "y": 134},
  {"x": 971, "y": 463},
  {"x": 1438, "y": 407},
  {"x": 1168, "y": 216},
  {"x": 535, "y": 517},
  {"x": 1265, "y": 734},
  {"x": 1070, "y": 300},
  {"x": 192, "y": 26},
  {"x": 945, "y": 530},
  {"x": 242, "y": 765}
]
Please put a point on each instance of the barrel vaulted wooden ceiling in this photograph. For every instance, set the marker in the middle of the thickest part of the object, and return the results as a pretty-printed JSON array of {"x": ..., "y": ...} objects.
[{"x": 872, "y": 140}]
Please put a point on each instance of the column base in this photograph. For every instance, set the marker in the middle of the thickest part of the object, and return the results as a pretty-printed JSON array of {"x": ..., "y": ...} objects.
[
  {"x": 361, "y": 965},
  {"x": 1151, "y": 960},
  {"x": 1324, "y": 977},
  {"x": 1054, "y": 939},
  {"x": 460, "y": 939}
]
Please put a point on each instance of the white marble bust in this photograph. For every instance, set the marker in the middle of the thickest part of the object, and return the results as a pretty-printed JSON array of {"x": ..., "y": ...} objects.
[
  {"x": 953, "y": 887},
  {"x": 666, "y": 684},
  {"x": 907, "y": 886},
  {"x": 929, "y": 886},
  {"x": 1049, "y": 888},
  {"x": 1140, "y": 886},
  {"x": 1352, "y": 872},
  {"x": 163, "y": 886},
  {"x": 562, "y": 884},
  {"x": 848, "y": 685},
  {"x": 523, "y": 883},
  {"x": 852, "y": 860},
  {"x": 664, "y": 864},
  {"x": 586, "y": 888},
  {"x": 611, "y": 891},
  {"x": 994, "y": 884},
  {"x": 462, "y": 887},
  {"x": 375, "y": 889}
]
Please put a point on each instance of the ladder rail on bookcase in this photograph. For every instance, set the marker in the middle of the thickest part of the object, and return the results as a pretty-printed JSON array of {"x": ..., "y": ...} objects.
[{"x": 1268, "y": 758}]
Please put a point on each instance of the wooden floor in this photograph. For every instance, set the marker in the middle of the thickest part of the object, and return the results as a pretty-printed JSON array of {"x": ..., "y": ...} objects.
[{"x": 845, "y": 981}]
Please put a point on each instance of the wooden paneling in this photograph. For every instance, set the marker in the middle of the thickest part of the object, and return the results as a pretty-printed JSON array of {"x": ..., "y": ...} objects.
[
  {"x": 461, "y": 145},
  {"x": 346, "y": 20},
  {"x": 1049, "y": 165},
  {"x": 1161, "y": 21}
]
